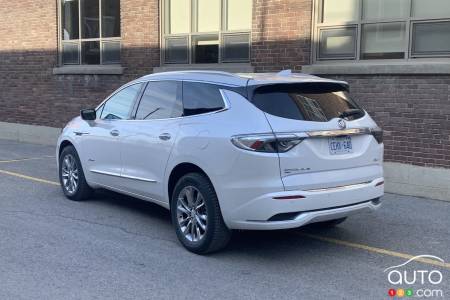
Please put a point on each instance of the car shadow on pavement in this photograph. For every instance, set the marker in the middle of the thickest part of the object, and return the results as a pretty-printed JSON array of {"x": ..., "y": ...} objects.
[
  {"x": 132, "y": 205},
  {"x": 243, "y": 242}
]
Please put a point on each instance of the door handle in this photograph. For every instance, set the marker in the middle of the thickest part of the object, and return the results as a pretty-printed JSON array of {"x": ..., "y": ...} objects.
[
  {"x": 114, "y": 132},
  {"x": 165, "y": 136}
]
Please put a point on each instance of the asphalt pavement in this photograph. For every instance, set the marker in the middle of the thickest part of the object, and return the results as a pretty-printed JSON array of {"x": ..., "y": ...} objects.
[{"x": 117, "y": 247}]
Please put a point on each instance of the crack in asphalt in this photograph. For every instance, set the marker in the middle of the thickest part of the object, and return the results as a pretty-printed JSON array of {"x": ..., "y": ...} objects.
[{"x": 86, "y": 222}]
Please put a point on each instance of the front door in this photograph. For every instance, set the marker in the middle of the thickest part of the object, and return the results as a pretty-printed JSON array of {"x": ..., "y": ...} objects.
[
  {"x": 147, "y": 141},
  {"x": 101, "y": 144}
]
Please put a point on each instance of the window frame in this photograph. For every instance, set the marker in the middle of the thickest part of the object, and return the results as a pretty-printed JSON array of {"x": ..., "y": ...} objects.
[
  {"x": 80, "y": 40},
  {"x": 408, "y": 20},
  {"x": 102, "y": 105},
  {"x": 192, "y": 15},
  {"x": 141, "y": 96}
]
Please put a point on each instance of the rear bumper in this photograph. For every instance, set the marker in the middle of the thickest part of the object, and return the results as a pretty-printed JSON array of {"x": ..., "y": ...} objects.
[{"x": 267, "y": 213}]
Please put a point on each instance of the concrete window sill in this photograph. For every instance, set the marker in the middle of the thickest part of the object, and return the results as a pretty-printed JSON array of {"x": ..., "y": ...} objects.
[
  {"x": 226, "y": 67},
  {"x": 89, "y": 70},
  {"x": 386, "y": 67}
]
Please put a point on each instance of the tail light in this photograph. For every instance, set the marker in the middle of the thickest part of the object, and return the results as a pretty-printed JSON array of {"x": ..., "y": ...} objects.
[
  {"x": 377, "y": 134},
  {"x": 268, "y": 143}
]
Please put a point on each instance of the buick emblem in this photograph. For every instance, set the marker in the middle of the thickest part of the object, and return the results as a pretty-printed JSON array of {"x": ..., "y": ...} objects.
[{"x": 341, "y": 124}]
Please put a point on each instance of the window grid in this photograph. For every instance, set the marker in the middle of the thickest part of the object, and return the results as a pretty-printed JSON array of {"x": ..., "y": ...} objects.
[
  {"x": 80, "y": 39},
  {"x": 409, "y": 22},
  {"x": 193, "y": 32}
]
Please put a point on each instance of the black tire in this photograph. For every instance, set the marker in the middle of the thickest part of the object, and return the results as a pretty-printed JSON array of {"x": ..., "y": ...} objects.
[
  {"x": 217, "y": 235},
  {"x": 83, "y": 191},
  {"x": 330, "y": 223}
]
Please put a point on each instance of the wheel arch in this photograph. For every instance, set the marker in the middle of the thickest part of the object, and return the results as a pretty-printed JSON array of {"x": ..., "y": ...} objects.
[
  {"x": 64, "y": 144},
  {"x": 179, "y": 171}
]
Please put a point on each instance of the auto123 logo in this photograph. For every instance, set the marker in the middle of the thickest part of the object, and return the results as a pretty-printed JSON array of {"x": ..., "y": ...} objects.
[{"x": 418, "y": 283}]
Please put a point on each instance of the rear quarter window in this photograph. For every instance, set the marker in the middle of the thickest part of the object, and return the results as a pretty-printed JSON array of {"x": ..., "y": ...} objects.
[
  {"x": 308, "y": 102},
  {"x": 199, "y": 98}
]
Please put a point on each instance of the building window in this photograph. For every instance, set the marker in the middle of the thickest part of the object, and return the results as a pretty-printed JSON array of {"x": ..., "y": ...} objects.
[
  {"x": 206, "y": 31},
  {"x": 381, "y": 29},
  {"x": 90, "y": 32}
]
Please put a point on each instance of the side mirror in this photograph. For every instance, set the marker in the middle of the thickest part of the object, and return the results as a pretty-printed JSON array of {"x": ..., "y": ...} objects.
[{"x": 88, "y": 114}]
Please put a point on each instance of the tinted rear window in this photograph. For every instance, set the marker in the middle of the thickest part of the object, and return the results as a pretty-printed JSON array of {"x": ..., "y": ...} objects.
[{"x": 317, "y": 102}]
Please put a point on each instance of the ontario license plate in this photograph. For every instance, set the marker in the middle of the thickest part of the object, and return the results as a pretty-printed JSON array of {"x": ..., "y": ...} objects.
[{"x": 340, "y": 145}]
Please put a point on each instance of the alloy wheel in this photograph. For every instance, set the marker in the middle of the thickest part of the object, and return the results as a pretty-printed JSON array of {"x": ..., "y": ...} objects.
[
  {"x": 69, "y": 174},
  {"x": 191, "y": 214}
]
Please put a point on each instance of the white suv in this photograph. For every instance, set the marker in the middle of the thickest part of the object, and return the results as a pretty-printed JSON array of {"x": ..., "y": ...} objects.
[{"x": 225, "y": 151}]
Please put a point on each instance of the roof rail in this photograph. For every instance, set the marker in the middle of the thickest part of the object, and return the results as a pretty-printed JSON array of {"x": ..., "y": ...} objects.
[
  {"x": 206, "y": 72},
  {"x": 287, "y": 72}
]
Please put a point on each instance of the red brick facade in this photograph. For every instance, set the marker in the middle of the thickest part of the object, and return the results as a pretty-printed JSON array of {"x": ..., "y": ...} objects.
[
  {"x": 31, "y": 94},
  {"x": 281, "y": 34},
  {"x": 413, "y": 110}
]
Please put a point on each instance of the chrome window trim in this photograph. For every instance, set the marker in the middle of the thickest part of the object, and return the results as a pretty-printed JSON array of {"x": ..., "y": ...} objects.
[{"x": 225, "y": 99}]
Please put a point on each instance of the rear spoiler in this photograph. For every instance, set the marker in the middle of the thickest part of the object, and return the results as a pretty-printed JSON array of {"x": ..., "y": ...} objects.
[{"x": 305, "y": 87}]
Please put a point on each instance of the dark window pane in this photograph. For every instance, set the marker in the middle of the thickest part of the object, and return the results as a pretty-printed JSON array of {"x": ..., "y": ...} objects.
[
  {"x": 161, "y": 100},
  {"x": 177, "y": 50},
  {"x": 201, "y": 98},
  {"x": 70, "y": 54},
  {"x": 90, "y": 53},
  {"x": 318, "y": 103},
  {"x": 110, "y": 18},
  {"x": 90, "y": 19},
  {"x": 69, "y": 18},
  {"x": 431, "y": 38},
  {"x": 119, "y": 106},
  {"x": 206, "y": 49},
  {"x": 236, "y": 47},
  {"x": 111, "y": 53}
]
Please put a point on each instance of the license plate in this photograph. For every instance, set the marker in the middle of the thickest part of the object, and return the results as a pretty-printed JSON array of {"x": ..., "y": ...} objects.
[{"x": 340, "y": 145}]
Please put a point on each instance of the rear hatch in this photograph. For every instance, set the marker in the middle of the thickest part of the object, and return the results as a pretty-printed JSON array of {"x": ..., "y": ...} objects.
[{"x": 337, "y": 147}]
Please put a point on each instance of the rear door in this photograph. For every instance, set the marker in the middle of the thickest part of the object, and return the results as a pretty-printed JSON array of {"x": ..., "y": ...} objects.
[{"x": 334, "y": 152}]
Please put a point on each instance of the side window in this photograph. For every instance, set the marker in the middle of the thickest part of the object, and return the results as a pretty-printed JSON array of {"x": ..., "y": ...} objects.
[
  {"x": 119, "y": 106},
  {"x": 199, "y": 98},
  {"x": 161, "y": 100}
]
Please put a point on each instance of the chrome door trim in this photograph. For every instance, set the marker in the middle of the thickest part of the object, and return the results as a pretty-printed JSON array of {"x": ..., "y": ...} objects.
[
  {"x": 123, "y": 176},
  {"x": 138, "y": 178},
  {"x": 105, "y": 173}
]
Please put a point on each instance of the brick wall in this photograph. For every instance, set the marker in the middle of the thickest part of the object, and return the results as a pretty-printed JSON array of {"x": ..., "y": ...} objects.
[
  {"x": 414, "y": 111},
  {"x": 31, "y": 94},
  {"x": 281, "y": 34}
]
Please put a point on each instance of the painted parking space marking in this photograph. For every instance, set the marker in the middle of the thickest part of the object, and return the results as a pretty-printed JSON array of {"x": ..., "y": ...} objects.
[
  {"x": 28, "y": 177},
  {"x": 26, "y": 159},
  {"x": 375, "y": 250},
  {"x": 307, "y": 235}
]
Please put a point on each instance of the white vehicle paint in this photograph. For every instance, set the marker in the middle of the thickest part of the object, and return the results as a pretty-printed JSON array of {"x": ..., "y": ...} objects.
[{"x": 311, "y": 182}]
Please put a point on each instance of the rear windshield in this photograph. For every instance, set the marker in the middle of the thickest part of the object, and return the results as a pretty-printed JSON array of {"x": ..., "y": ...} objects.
[{"x": 308, "y": 102}]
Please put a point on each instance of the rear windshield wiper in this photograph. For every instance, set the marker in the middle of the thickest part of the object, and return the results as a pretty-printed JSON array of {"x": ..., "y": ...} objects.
[{"x": 351, "y": 112}]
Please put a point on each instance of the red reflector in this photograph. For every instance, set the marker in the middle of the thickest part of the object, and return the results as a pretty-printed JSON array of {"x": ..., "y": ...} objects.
[
  {"x": 289, "y": 197},
  {"x": 256, "y": 145},
  {"x": 379, "y": 183}
]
